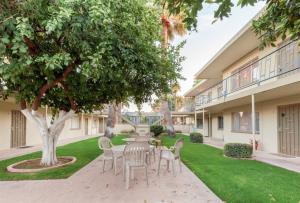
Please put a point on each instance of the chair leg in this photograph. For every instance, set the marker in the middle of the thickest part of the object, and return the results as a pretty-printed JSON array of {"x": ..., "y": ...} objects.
[
  {"x": 168, "y": 163},
  {"x": 131, "y": 173},
  {"x": 158, "y": 168},
  {"x": 112, "y": 163},
  {"x": 173, "y": 167},
  {"x": 115, "y": 165},
  {"x": 180, "y": 165},
  {"x": 124, "y": 169},
  {"x": 127, "y": 176},
  {"x": 146, "y": 171},
  {"x": 154, "y": 154},
  {"x": 103, "y": 168}
]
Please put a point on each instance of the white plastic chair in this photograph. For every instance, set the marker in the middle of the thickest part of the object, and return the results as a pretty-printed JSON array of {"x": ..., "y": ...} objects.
[
  {"x": 134, "y": 156},
  {"x": 172, "y": 155},
  {"x": 105, "y": 144}
]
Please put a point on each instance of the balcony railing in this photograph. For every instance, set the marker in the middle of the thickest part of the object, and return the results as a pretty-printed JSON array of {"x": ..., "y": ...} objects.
[{"x": 279, "y": 63}]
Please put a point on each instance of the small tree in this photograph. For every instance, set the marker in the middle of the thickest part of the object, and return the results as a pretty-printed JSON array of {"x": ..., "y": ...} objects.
[{"x": 76, "y": 55}]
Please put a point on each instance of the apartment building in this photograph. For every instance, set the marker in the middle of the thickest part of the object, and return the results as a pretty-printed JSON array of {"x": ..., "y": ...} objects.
[
  {"x": 16, "y": 131},
  {"x": 245, "y": 93}
]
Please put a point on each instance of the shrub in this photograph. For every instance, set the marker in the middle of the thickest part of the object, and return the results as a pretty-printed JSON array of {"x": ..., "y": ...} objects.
[
  {"x": 238, "y": 150},
  {"x": 196, "y": 137},
  {"x": 178, "y": 131},
  {"x": 156, "y": 129}
]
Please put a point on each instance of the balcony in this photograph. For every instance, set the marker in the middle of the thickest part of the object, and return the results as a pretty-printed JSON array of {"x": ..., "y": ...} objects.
[{"x": 280, "y": 63}]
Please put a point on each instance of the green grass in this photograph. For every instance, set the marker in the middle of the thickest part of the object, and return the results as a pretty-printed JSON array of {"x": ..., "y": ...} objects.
[
  {"x": 236, "y": 180},
  {"x": 85, "y": 151}
]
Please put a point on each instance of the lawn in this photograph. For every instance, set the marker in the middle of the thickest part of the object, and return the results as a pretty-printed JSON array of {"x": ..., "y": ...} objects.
[
  {"x": 239, "y": 180},
  {"x": 85, "y": 151}
]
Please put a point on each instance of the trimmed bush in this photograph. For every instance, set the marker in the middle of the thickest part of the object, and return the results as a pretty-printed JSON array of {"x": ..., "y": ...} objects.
[
  {"x": 238, "y": 150},
  {"x": 196, "y": 137},
  {"x": 156, "y": 129}
]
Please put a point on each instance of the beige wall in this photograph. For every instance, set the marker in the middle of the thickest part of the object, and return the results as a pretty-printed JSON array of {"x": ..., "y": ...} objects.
[
  {"x": 215, "y": 132},
  {"x": 32, "y": 133},
  {"x": 240, "y": 63},
  {"x": 268, "y": 135}
]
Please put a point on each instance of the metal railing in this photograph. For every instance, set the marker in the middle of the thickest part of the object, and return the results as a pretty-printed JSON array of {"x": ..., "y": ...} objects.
[{"x": 279, "y": 63}]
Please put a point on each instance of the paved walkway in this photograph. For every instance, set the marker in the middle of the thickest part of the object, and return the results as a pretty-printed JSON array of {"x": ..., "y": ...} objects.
[
  {"x": 10, "y": 153},
  {"x": 287, "y": 162},
  {"x": 91, "y": 185}
]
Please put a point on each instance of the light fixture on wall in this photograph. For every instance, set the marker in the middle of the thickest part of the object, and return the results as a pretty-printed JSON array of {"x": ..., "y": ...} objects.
[{"x": 241, "y": 113}]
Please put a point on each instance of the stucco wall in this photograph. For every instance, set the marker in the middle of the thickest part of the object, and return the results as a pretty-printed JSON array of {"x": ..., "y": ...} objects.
[
  {"x": 215, "y": 132},
  {"x": 268, "y": 135},
  {"x": 32, "y": 133}
]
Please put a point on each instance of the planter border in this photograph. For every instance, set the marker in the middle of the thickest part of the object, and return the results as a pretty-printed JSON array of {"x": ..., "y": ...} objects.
[{"x": 11, "y": 168}]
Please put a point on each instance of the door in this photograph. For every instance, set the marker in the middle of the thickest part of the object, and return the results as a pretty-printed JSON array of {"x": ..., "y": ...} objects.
[
  {"x": 86, "y": 126},
  {"x": 101, "y": 124},
  {"x": 288, "y": 129},
  {"x": 18, "y": 129}
]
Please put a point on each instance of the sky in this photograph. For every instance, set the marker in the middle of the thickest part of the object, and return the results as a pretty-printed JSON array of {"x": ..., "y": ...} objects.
[{"x": 202, "y": 45}]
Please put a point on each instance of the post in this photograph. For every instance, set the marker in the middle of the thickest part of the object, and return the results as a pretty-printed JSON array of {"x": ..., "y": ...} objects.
[
  {"x": 253, "y": 121},
  {"x": 208, "y": 129},
  {"x": 203, "y": 121},
  {"x": 195, "y": 119},
  {"x": 103, "y": 126}
]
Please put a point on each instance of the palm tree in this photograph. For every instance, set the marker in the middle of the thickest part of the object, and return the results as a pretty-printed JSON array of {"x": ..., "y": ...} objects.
[{"x": 171, "y": 26}]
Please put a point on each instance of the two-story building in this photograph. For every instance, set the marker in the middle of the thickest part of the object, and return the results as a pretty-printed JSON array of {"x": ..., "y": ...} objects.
[{"x": 246, "y": 93}]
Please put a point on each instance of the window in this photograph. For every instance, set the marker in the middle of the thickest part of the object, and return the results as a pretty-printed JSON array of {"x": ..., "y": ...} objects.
[
  {"x": 75, "y": 122},
  {"x": 242, "y": 122},
  {"x": 220, "y": 91},
  {"x": 199, "y": 123},
  {"x": 220, "y": 123},
  {"x": 209, "y": 97},
  {"x": 245, "y": 75}
]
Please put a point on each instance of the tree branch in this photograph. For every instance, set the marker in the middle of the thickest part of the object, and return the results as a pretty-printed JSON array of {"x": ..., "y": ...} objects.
[
  {"x": 71, "y": 100},
  {"x": 32, "y": 47},
  {"x": 37, "y": 101}
]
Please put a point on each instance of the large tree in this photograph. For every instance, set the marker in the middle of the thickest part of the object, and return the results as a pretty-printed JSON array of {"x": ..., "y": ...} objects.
[
  {"x": 76, "y": 55},
  {"x": 279, "y": 19},
  {"x": 171, "y": 25}
]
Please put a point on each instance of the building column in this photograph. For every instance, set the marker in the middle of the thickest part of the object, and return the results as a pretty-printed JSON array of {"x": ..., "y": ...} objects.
[
  {"x": 195, "y": 121},
  {"x": 253, "y": 121},
  {"x": 209, "y": 126},
  {"x": 203, "y": 122}
]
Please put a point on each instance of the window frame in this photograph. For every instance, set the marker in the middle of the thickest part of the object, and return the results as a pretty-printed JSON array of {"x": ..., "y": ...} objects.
[
  {"x": 221, "y": 121},
  {"x": 79, "y": 123},
  {"x": 248, "y": 131}
]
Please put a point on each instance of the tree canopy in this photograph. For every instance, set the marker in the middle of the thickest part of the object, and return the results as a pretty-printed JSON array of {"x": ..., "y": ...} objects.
[
  {"x": 279, "y": 19},
  {"x": 80, "y": 54}
]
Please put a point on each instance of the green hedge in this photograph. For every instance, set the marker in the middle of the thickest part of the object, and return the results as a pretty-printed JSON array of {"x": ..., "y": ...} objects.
[
  {"x": 238, "y": 150},
  {"x": 196, "y": 137},
  {"x": 156, "y": 129}
]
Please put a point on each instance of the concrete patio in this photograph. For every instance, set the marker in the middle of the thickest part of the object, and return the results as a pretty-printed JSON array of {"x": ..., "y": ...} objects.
[{"x": 91, "y": 185}]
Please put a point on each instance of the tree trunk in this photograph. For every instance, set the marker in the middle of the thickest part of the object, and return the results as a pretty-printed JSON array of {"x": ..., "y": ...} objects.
[
  {"x": 167, "y": 118},
  {"x": 49, "y": 134},
  {"x": 110, "y": 123}
]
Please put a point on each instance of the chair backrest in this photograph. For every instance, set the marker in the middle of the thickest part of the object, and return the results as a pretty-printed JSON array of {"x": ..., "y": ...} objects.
[
  {"x": 105, "y": 144},
  {"x": 135, "y": 153},
  {"x": 178, "y": 145}
]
